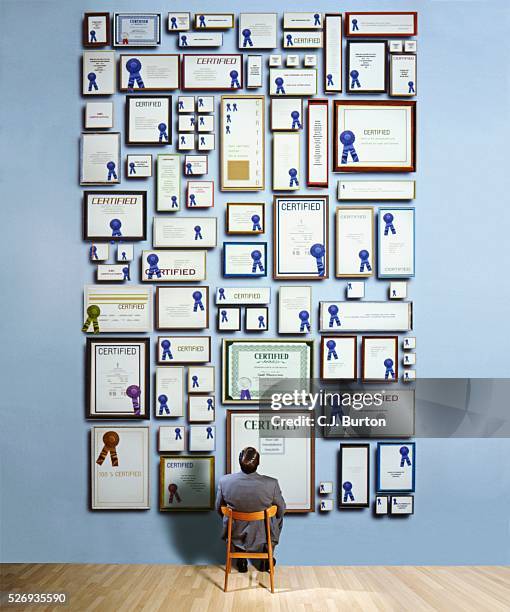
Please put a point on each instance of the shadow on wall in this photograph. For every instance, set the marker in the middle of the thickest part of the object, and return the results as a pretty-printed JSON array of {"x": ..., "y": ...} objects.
[{"x": 196, "y": 537}]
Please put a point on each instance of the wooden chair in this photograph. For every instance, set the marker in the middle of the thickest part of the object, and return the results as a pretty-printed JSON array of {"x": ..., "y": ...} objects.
[{"x": 263, "y": 515}]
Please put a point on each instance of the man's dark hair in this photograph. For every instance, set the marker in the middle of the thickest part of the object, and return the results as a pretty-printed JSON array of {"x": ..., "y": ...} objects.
[{"x": 249, "y": 459}]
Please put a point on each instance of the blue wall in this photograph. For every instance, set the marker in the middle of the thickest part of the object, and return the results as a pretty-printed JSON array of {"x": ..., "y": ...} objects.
[{"x": 461, "y": 296}]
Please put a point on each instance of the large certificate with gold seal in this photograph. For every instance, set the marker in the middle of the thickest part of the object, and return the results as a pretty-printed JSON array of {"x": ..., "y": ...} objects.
[{"x": 252, "y": 367}]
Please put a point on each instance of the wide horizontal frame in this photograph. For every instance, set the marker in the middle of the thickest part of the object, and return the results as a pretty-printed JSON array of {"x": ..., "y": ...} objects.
[
  {"x": 191, "y": 289},
  {"x": 383, "y": 34}
]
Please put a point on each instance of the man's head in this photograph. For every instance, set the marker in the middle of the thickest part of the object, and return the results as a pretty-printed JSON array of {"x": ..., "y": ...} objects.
[{"x": 249, "y": 459}]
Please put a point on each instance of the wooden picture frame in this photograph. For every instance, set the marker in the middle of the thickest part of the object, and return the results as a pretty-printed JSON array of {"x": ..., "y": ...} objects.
[
  {"x": 100, "y": 18},
  {"x": 400, "y": 30},
  {"x": 234, "y": 218},
  {"x": 389, "y": 371},
  {"x": 197, "y": 349},
  {"x": 204, "y": 465},
  {"x": 332, "y": 69},
  {"x": 140, "y": 81}
]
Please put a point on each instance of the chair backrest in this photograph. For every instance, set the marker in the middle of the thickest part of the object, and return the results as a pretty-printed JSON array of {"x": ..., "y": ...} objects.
[{"x": 249, "y": 516}]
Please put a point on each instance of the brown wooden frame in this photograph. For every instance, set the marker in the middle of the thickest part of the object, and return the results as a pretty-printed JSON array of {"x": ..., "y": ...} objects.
[
  {"x": 183, "y": 458},
  {"x": 182, "y": 81},
  {"x": 137, "y": 91},
  {"x": 325, "y": 54},
  {"x": 371, "y": 35},
  {"x": 263, "y": 218},
  {"x": 85, "y": 39},
  {"x": 362, "y": 91},
  {"x": 395, "y": 361}
]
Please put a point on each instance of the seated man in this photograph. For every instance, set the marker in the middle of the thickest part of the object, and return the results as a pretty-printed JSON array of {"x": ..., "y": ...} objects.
[{"x": 247, "y": 491}]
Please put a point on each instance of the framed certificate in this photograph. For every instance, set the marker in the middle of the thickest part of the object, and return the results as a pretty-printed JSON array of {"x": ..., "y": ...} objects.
[
  {"x": 100, "y": 158},
  {"x": 111, "y": 273},
  {"x": 318, "y": 144},
  {"x": 138, "y": 166},
  {"x": 290, "y": 82},
  {"x": 396, "y": 467},
  {"x": 219, "y": 72},
  {"x": 286, "y": 161},
  {"x": 294, "y": 309},
  {"x": 197, "y": 165},
  {"x": 183, "y": 349},
  {"x": 254, "y": 71},
  {"x": 353, "y": 490},
  {"x": 98, "y": 73},
  {"x": 120, "y": 468},
  {"x": 379, "y": 359},
  {"x": 98, "y": 115},
  {"x": 371, "y": 24},
  {"x": 301, "y": 246},
  {"x": 202, "y": 438},
  {"x": 258, "y": 30},
  {"x": 201, "y": 39},
  {"x": 245, "y": 218},
  {"x": 244, "y": 259},
  {"x": 249, "y": 366},
  {"x": 110, "y": 308},
  {"x": 148, "y": 120},
  {"x": 171, "y": 439},
  {"x": 118, "y": 376},
  {"x": 366, "y": 66},
  {"x": 376, "y": 190},
  {"x": 243, "y": 295},
  {"x": 332, "y": 53},
  {"x": 396, "y": 242},
  {"x": 366, "y": 316},
  {"x": 115, "y": 216},
  {"x": 201, "y": 379},
  {"x": 403, "y": 75},
  {"x": 288, "y": 458},
  {"x": 186, "y": 483},
  {"x": 184, "y": 232},
  {"x": 136, "y": 29},
  {"x": 381, "y": 504},
  {"x": 302, "y": 40},
  {"x": 169, "y": 394},
  {"x": 96, "y": 30},
  {"x": 168, "y": 183},
  {"x": 173, "y": 266},
  {"x": 228, "y": 319},
  {"x": 201, "y": 409},
  {"x": 242, "y": 166},
  {"x": 256, "y": 318},
  {"x": 339, "y": 358},
  {"x": 354, "y": 238},
  {"x": 214, "y": 21},
  {"x": 302, "y": 21},
  {"x": 401, "y": 504},
  {"x": 286, "y": 114},
  {"x": 200, "y": 194},
  {"x": 149, "y": 72},
  {"x": 374, "y": 136},
  {"x": 182, "y": 307}
]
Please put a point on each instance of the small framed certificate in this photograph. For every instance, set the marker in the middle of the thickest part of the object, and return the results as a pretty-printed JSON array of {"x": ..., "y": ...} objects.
[
  {"x": 353, "y": 491},
  {"x": 120, "y": 468},
  {"x": 184, "y": 232},
  {"x": 228, "y": 319},
  {"x": 401, "y": 505},
  {"x": 242, "y": 161},
  {"x": 376, "y": 190},
  {"x": 332, "y": 53},
  {"x": 201, "y": 409},
  {"x": 373, "y": 136},
  {"x": 403, "y": 75},
  {"x": 286, "y": 161},
  {"x": 182, "y": 308},
  {"x": 171, "y": 439},
  {"x": 214, "y": 21},
  {"x": 96, "y": 30},
  {"x": 118, "y": 377},
  {"x": 148, "y": 120},
  {"x": 169, "y": 394},
  {"x": 98, "y": 115},
  {"x": 318, "y": 143},
  {"x": 290, "y": 82},
  {"x": 293, "y": 60},
  {"x": 294, "y": 309},
  {"x": 100, "y": 158},
  {"x": 200, "y": 194},
  {"x": 366, "y": 66},
  {"x": 396, "y": 23},
  {"x": 301, "y": 247},
  {"x": 254, "y": 71},
  {"x": 339, "y": 358},
  {"x": 286, "y": 114},
  {"x": 149, "y": 72},
  {"x": 219, "y": 72},
  {"x": 244, "y": 259},
  {"x": 243, "y": 295},
  {"x": 245, "y": 218},
  {"x": 112, "y": 273},
  {"x": 205, "y": 104},
  {"x": 205, "y": 123},
  {"x": 396, "y": 242},
  {"x": 201, "y": 379},
  {"x": 396, "y": 467},
  {"x": 354, "y": 239},
  {"x": 138, "y": 166},
  {"x": 302, "y": 40},
  {"x": 186, "y": 483},
  {"x": 179, "y": 22},
  {"x": 125, "y": 252},
  {"x": 302, "y": 21},
  {"x": 256, "y": 318},
  {"x": 201, "y": 39},
  {"x": 394, "y": 316},
  {"x": 379, "y": 359},
  {"x": 136, "y": 29},
  {"x": 168, "y": 183},
  {"x": 202, "y": 438},
  {"x": 173, "y": 266},
  {"x": 186, "y": 123},
  {"x": 381, "y": 504},
  {"x": 111, "y": 309},
  {"x": 115, "y": 215},
  {"x": 258, "y": 30},
  {"x": 98, "y": 73},
  {"x": 184, "y": 349}
]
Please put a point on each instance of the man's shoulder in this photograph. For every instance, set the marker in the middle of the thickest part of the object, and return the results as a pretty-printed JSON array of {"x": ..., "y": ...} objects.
[
  {"x": 269, "y": 480},
  {"x": 229, "y": 477}
]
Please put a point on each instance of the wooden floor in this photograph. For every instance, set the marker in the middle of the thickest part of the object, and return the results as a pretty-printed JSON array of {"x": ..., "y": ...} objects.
[{"x": 188, "y": 588}]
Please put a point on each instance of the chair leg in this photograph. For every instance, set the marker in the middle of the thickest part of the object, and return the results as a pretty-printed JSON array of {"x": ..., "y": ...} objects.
[
  {"x": 270, "y": 553},
  {"x": 227, "y": 570}
]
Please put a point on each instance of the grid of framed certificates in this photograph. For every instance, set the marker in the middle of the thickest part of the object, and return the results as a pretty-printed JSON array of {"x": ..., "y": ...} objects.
[{"x": 210, "y": 134}]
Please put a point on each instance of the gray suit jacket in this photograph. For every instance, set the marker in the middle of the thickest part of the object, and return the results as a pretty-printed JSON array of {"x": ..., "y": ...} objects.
[{"x": 250, "y": 493}]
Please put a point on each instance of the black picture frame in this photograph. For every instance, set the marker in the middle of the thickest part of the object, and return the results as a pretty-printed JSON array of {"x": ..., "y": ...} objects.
[
  {"x": 360, "y": 90},
  {"x": 341, "y": 504},
  {"x": 114, "y": 194},
  {"x": 156, "y": 141}
]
